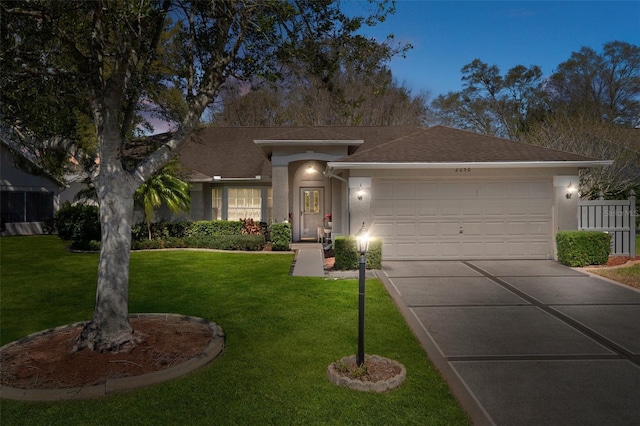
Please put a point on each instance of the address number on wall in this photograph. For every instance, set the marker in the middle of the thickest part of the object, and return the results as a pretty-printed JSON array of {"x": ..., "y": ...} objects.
[{"x": 463, "y": 170}]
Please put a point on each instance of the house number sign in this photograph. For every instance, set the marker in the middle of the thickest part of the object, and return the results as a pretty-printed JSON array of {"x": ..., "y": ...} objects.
[{"x": 463, "y": 170}]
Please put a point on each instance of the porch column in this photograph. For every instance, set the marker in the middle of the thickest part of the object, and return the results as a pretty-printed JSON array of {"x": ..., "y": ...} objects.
[{"x": 280, "y": 183}]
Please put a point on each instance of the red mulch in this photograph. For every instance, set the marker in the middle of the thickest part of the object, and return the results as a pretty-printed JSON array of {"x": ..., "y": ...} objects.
[{"x": 48, "y": 361}]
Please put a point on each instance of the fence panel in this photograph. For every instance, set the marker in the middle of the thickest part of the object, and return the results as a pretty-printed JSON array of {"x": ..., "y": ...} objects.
[{"x": 616, "y": 217}]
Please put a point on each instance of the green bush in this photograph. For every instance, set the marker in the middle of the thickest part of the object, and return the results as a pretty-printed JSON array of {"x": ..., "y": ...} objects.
[
  {"x": 280, "y": 236},
  {"x": 348, "y": 258},
  {"x": 217, "y": 242},
  {"x": 214, "y": 227},
  {"x": 92, "y": 245},
  {"x": 581, "y": 248},
  {"x": 164, "y": 230},
  {"x": 78, "y": 222}
]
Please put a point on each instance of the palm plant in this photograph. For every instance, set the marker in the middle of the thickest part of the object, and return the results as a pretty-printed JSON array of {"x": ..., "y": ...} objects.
[{"x": 165, "y": 187}]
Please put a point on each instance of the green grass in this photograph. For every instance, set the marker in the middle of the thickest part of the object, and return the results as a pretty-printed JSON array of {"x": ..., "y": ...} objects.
[{"x": 282, "y": 333}]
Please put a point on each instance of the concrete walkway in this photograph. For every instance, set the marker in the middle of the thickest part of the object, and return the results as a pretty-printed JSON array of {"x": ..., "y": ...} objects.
[
  {"x": 526, "y": 342},
  {"x": 309, "y": 261}
]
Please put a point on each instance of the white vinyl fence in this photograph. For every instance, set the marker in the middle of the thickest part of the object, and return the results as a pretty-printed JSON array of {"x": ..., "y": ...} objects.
[{"x": 616, "y": 217}]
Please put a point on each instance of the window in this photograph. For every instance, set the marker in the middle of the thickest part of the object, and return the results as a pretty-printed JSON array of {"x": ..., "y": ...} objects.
[
  {"x": 216, "y": 204},
  {"x": 22, "y": 206},
  {"x": 270, "y": 205},
  {"x": 244, "y": 203}
]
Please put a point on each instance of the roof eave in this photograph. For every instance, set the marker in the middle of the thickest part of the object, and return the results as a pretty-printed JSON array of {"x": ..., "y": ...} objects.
[{"x": 480, "y": 165}]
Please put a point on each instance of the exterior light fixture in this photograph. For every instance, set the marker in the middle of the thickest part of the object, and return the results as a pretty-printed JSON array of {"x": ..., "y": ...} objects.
[
  {"x": 310, "y": 168},
  {"x": 362, "y": 246},
  {"x": 360, "y": 194},
  {"x": 570, "y": 190}
]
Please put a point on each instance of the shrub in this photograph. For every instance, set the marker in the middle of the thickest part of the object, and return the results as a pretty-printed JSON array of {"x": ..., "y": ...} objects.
[
  {"x": 581, "y": 248},
  {"x": 78, "y": 222},
  {"x": 92, "y": 245},
  {"x": 250, "y": 227},
  {"x": 348, "y": 258},
  {"x": 214, "y": 227},
  {"x": 49, "y": 226},
  {"x": 218, "y": 242},
  {"x": 280, "y": 236}
]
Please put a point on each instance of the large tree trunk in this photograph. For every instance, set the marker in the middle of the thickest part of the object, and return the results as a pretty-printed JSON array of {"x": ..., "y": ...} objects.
[{"x": 109, "y": 329}]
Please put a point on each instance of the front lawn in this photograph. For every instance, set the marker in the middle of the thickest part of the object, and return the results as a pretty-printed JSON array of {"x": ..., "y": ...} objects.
[{"x": 282, "y": 333}]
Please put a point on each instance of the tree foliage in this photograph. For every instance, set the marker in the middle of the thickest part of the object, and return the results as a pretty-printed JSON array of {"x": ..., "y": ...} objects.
[
  {"x": 601, "y": 86},
  {"x": 361, "y": 91},
  {"x": 492, "y": 103},
  {"x": 163, "y": 188}
]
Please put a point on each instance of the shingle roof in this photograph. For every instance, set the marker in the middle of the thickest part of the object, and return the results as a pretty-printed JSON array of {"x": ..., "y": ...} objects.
[
  {"x": 230, "y": 152},
  {"x": 442, "y": 144}
]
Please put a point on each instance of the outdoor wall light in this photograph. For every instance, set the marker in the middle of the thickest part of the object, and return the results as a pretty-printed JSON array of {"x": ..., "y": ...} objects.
[
  {"x": 310, "y": 168},
  {"x": 360, "y": 193},
  {"x": 570, "y": 190}
]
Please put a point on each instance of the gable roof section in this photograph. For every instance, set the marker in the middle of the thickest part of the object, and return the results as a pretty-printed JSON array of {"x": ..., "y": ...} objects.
[
  {"x": 231, "y": 153},
  {"x": 446, "y": 146}
]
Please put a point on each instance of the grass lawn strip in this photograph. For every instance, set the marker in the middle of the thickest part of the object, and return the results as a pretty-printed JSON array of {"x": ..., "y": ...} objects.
[{"x": 282, "y": 332}]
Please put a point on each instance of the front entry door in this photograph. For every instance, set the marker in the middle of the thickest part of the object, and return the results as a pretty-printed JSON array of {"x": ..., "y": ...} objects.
[{"x": 312, "y": 209}]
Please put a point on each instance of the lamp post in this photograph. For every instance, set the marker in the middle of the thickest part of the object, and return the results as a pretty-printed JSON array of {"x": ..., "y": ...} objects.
[{"x": 362, "y": 245}]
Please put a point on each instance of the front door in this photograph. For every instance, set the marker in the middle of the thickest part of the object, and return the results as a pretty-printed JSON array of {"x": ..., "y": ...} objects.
[{"x": 312, "y": 209}]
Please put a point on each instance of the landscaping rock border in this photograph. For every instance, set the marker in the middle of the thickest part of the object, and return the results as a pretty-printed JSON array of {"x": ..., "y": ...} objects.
[
  {"x": 215, "y": 347},
  {"x": 338, "y": 378}
]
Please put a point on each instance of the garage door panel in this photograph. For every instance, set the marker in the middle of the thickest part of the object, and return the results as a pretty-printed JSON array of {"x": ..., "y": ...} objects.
[
  {"x": 427, "y": 190},
  {"x": 494, "y": 228},
  {"x": 405, "y": 229},
  {"x": 449, "y": 208},
  {"x": 472, "y": 228},
  {"x": 470, "y": 208},
  {"x": 383, "y": 230},
  {"x": 405, "y": 190},
  {"x": 382, "y": 209},
  {"x": 539, "y": 228},
  {"x": 403, "y": 208},
  {"x": 384, "y": 191},
  {"x": 427, "y": 229},
  {"x": 449, "y": 229},
  {"x": 426, "y": 208},
  {"x": 498, "y": 219}
]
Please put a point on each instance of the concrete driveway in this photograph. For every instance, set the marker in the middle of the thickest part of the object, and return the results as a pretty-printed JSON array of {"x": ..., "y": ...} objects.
[{"x": 526, "y": 342}]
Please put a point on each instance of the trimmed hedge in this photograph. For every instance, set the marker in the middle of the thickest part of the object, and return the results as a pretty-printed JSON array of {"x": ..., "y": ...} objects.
[
  {"x": 218, "y": 242},
  {"x": 348, "y": 258},
  {"x": 582, "y": 248},
  {"x": 280, "y": 236},
  {"x": 164, "y": 230}
]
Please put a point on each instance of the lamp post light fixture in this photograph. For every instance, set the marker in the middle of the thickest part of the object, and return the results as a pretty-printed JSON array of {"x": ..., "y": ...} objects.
[{"x": 362, "y": 246}]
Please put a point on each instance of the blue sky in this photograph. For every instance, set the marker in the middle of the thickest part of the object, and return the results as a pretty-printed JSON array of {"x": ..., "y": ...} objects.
[{"x": 446, "y": 35}]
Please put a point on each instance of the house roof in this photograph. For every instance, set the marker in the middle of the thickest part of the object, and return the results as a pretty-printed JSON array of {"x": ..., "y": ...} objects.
[
  {"x": 447, "y": 146},
  {"x": 243, "y": 152},
  {"x": 33, "y": 167},
  {"x": 231, "y": 152}
]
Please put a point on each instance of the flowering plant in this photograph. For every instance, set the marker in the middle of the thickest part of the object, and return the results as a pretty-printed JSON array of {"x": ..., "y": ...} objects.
[{"x": 327, "y": 217}]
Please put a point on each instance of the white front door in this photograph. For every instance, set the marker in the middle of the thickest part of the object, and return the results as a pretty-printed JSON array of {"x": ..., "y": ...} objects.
[{"x": 312, "y": 210}]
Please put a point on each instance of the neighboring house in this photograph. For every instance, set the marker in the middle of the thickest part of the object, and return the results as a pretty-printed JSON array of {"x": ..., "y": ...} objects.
[
  {"x": 436, "y": 193},
  {"x": 26, "y": 198}
]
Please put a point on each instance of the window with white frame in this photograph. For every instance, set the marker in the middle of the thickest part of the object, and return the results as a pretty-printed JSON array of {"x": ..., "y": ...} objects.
[
  {"x": 244, "y": 203},
  {"x": 270, "y": 205},
  {"x": 216, "y": 204}
]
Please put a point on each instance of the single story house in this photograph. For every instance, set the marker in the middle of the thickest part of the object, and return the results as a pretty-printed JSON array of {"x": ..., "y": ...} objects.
[
  {"x": 429, "y": 193},
  {"x": 28, "y": 194}
]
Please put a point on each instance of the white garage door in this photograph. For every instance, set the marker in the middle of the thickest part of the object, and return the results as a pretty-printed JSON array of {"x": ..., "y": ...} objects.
[{"x": 464, "y": 219}]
